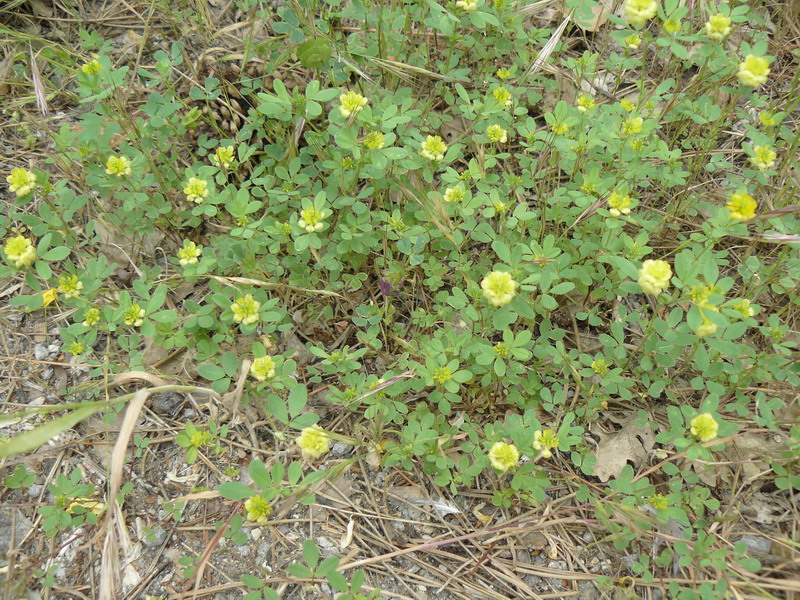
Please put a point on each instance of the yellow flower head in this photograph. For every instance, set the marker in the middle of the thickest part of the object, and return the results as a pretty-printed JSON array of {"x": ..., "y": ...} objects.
[
  {"x": 672, "y": 26},
  {"x": 744, "y": 308},
  {"x": 441, "y": 375},
  {"x": 497, "y": 134},
  {"x": 763, "y": 157},
  {"x": 504, "y": 456},
  {"x": 313, "y": 442},
  {"x": 20, "y": 251},
  {"x": 454, "y": 194},
  {"x": 620, "y": 204},
  {"x": 196, "y": 190},
  {"x": 258, "y": 510},
  {"x": 559, "y": 128},
  {"x": 718, "y": 27},
  {"x": 49, "y": 296},
  {"x": 91, "y": 317},
  {"x": 76, "y": 348},
  {"x": 545, "y": 441},
  {"x": 189, "y": 253},
  {"x": 633, "y": 41},
  {"x": 499, "y": 288},
  {"x": 351, "y": 103},
  {"x": 133, "y": 315},
  {"x": 585, "y": 102},
  {"x": 627, "y": 105},
  {"x": 70, "y": 286},
  {"x": 311, "y": 219},
  {"x": 467, "y": 5},
  {"x": 638, "y": 12},
  {"x": 632, "y": 125},
  {"x": 503, "y": 96},
  {"x": 704, "y": 427},
  {"x": 21, "y": 181},
  {"x": 659, "y": 501},
  {"x": 600, "y": 366},
  {"x": 118, "y": 165},
  {"x": 433, "y": 148},
  {"x": 373, "y": 140},
  {"x": 753, "y": 71},
  {"x": 767, "y": 118},
  {"x": 223, "y": 156},
  {"x": 706, "y": 328},
  {"x": 741, "y": 206},
  {"x": 503, "y": 73},
  {"x": 654, "y": 276},
  {"x": 201, "y": 438},
  {"x": 92, "y": 67},
  {"x": 245, "y": 310},
  {"x": 263, "y": 368}
]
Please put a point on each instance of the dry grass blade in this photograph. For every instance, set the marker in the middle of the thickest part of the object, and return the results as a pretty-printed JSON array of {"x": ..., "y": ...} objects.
[
  {"x": 535, "y": 7},
  {"x": 266, "y": 284},
  {"x": 548, "y": 48},
  {"x": 38, "y": 87}
]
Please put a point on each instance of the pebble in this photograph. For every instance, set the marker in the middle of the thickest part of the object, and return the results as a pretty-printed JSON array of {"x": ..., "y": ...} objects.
[
  {"x": 156, "y": 538},
  {"x": 35, "y": 490},
  {"x": 756, "y": 543},
  {"x": 40, "y": 352}
]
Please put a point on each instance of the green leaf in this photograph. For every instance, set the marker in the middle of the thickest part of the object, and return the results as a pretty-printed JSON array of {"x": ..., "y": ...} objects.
[
  {"x": 234, "y": 490},
  {"x": 57, "y": 253},
  {"x": 314, "y": 53},
  {"x": 298, "y": 398},
  {"x": 259, "y": 474},
  {"x": 310, "y": 553},
  {"x": 211, "y": 371}
]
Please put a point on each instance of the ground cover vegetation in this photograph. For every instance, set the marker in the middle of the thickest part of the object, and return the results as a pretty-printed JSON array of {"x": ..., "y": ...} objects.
[{"x": 527, "y": 269}]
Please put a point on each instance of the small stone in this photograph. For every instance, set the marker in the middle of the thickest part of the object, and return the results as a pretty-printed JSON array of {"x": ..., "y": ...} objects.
[
  {"x": 756, "y": 543},
  {"x": 35, "y": 490},
  {"x": 40, "y": 352},
  {"x": 156, "y": 538},
  {"x": 53, "y": 350},
  {"x": 340, "y": 449}
]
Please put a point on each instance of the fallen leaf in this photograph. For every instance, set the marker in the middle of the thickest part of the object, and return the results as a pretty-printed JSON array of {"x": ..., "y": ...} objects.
[{"x": 631, "y": 443}]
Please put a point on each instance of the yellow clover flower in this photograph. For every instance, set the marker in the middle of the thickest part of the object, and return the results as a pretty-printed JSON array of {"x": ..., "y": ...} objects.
[
  {"x": 763, "y": 157},
  {"x": 245, "y": 310},
  {"x": 133, "y": 315},
  {"x": 497, "y": 134},
  {"x": 633, "y": 41},
  {"x": 503, "y": 96},
  {"x": 196, "y": 190},
  {"x": 351, "y": 103},
  {"x": 632, "y": 125},
  {"x": 49, "y": 296},
  {"x": 118, "y": 165},
  {"x": 373, "y": 140},
  {"x": 223, "y": 156},
  {"x": 753, "y": 71},
  {"x": 545, "y": 441},
  {"x": 258, "y": 510},
  {"x": 718, "y": 27},
  {"x": 499, "y": 288},
  {"x": 467, "y": 5},
  {"x": 704, "y": 427},
  {"x": 654, "y": 276},
  {"x": 503, "y": 73},
  {"x": 706, "y": 328},
  {"x": 744, "y": 308},
  {"x": 189, "y": 253},
  {"x": 91, "y": 317},
  {"x": 21, "y": 181},
  {"x": 620, "y": 204},
  {"x": 92, "y": 67},
  {"x": 433, "y": 148},
  {"x": 504, "y": 456},
  {"x": 313, "y": 442},
  {"x": 659, "y": 501},
  {"x": 672, "y": 26},
  {"x": 311, "y": 219},
  {"x": 454, "y": 194},
  {"x": 585, "y": 102},
  {"x": 263, "y": 368},
  {"x": 741, "y": 206},
  {"x": 638, "y": 12},
  {"x": 20, "y": 251},
  {"x": 70, "y": 286}
]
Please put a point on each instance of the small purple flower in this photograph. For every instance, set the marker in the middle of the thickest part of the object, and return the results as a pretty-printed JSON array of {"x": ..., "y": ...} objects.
[{"x": 385, "y": 286}]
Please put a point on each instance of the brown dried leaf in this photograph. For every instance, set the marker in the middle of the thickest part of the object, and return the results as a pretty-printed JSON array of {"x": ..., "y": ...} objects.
[{"x": 631, "y": 443}]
